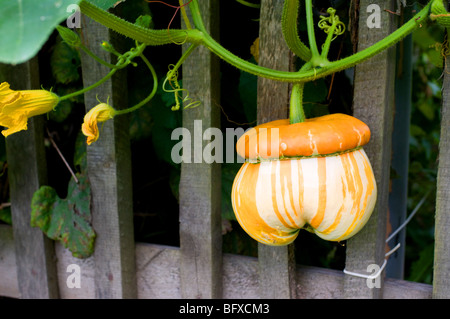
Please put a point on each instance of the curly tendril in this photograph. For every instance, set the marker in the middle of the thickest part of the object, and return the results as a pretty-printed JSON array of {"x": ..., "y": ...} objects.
[
  {"x": 172, "y": 78},
  {"x": 327, "y": 23}
]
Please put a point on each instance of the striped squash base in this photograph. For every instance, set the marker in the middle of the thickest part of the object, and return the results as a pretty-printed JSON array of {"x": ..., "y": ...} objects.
[{"x": 332, "y": 196}]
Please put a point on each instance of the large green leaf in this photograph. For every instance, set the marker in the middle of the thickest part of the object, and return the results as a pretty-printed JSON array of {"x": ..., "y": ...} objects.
[
  {"x": 105, "y": 4},
  {"x": 25, "y": 25},
  {"x": 66, "y": 220}
]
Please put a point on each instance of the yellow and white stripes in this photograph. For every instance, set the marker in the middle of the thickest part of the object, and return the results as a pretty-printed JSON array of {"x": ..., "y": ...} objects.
[{"x": 335, "y": 195}]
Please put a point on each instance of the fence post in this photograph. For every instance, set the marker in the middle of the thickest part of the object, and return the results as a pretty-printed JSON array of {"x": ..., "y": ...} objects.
[
  {"x": 109, "y": 171},
  {"x": 27, "y": 171},
  {"x": 441, "y": 275},
  {"x": 276, "y": 264},
  {"x": 200, "y": 182},
  {"x": 373, "y": 103}
]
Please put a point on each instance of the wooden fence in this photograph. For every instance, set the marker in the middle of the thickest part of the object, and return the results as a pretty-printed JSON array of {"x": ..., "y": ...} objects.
[{"x": 32, "y": 266}]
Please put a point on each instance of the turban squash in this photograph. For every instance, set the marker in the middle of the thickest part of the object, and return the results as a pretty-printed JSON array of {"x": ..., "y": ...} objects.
[{"x": 313, "y": 175}]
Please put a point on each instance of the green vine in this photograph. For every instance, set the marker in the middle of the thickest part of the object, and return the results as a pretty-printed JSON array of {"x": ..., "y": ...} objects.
[{"x": 317, "y": 64}]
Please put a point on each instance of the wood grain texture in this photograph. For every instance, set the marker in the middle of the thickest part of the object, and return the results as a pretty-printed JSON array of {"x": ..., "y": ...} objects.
[
  {"x": 158, "y": 276},
  {"x": 373, "y": 104},
  {"x": 27, "y": 171},
  {"x": 109, "y": 171},
  {"x": 275, "y": 263},
  {"x": 441, "y": 275},
  {"x": 273, "y": 97},
  {"x": 200, "y": 182}
]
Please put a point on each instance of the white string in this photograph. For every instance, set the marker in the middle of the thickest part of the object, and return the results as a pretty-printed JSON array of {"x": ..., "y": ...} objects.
[
  {"x": 373, "y": 276},
  {"x": 386, "y": 256},
  {"x": 409, "y": 218}
]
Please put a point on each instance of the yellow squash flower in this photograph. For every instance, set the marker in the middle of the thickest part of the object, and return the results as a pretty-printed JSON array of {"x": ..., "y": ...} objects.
[
  {"x": 100, "y": 113},
  {"x": 16, "y": 107}
]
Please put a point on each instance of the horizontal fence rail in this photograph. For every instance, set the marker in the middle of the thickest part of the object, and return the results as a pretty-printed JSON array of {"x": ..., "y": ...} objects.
[{"x": 158, "y": 276}]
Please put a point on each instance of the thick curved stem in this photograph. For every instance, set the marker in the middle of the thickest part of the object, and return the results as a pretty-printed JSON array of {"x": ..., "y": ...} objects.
[
  {"x": 152, "y": 93},
  {"x": 296, "y": 112},
  {"x": 290, "y": 31},
  {"x": 310, "y": 27},
  {"x": 200, "y": 36}
]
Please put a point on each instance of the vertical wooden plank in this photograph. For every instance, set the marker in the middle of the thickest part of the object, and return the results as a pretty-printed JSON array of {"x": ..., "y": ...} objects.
[
  {"x": 441, "y": 275},
  {"x": 273, "y": 96},
  {"x": 373, "y": 104},
  {"x": 276, "y": 264},
  {"x": 35, "y": 255},
  {"x": 200, "y": 184},
  {"x": 109, "y": 171}
]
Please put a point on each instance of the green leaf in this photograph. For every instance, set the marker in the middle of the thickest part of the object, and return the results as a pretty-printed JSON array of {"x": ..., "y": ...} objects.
[
  {"x": 65, "y": 62},
  {"x": 422, "y": 268},
  {"x": 105, "y": 4},
  {"x": 66, "y": 220},
  {"x": 427, "y": 110},
  {"x": 80, "y": 158},
  {"x": 5, "y": 215},
  {"x": 145, "y": 21},
  {"x": 25, "y": 25}
]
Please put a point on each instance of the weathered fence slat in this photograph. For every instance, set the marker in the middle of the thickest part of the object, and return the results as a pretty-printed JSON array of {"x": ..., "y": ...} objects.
[
  {"x": 200, "y": 183},
  {"x": 109, "y": 171},
  {"x": 441, "y": 274},
  {"x": 373, "y": 104},
  {"x": 27, "y": 171},
  {"x": 276, "y": 264}
]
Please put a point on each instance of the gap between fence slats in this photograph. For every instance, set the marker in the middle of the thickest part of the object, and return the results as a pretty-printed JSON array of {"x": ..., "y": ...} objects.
[
  {"x": 373, "y": 104},
  {"x": 400, "y": 152},
  {"x": 109, "y": 171},
  {"x": 27, "y": 171},
  {"x": 200, "y": 182},
  {"x": 276, "y": 264}
]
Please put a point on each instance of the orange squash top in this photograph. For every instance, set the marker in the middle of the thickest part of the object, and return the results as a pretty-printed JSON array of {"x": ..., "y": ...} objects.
[{"x": 329, "y": 134}]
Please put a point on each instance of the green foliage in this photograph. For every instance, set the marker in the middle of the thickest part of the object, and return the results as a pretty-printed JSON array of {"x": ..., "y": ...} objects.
[
  {"x": 67, "y": 220},
  {"x": 26, "y": 25},
  {"x": 69, "y": 36},
  {"x": 145, "y": 21},
  {"x": 65, "y": 65},
  {"x": 65, "y": 62},
  {"x": 421, "y": 269},
  {"x": 105, "y": 4},
  {"x": 5, "y": 215},
  {"x": 424, "y": 147}
]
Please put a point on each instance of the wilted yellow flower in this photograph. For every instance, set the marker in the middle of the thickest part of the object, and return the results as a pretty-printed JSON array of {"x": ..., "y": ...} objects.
[
  {"x": 16, "y": 107},
  {"x": 100, "y": 113}
]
